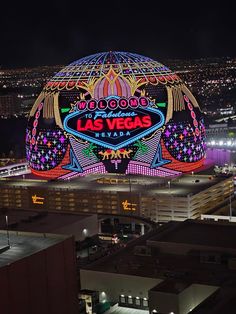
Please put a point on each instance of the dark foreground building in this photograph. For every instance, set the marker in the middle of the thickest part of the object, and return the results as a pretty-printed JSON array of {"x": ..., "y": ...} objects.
[
  {"x": 179, "y": 268},
  {"x": 37, "y": 274}
]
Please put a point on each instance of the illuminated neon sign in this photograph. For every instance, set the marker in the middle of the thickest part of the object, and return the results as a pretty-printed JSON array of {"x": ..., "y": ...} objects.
[
  {"x": 115, "y": 112},
  {"x": 37, "y": 199},
  {"x": 112, "y": 103},
  {"x": 129, "y": 206},
  {"x": 114, "y": 128}
]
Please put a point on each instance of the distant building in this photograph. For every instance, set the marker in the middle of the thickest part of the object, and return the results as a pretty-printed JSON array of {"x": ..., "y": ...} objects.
[
  {"x": 221, "y": 157},
  {"x": 9, "y": 105},
  {"x": 177, "y": 269},
  {"x": 37, "y": 274},
  {"x": 226, "y": 111}
]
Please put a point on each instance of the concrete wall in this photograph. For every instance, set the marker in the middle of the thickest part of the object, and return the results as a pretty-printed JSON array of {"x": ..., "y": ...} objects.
[{"x": 113, "y": 284}]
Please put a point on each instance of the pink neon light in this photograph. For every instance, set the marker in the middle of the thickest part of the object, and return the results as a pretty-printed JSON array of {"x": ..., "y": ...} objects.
[
  {"x": 135, "y": 167},
  {"x": 97, "y": 168}
]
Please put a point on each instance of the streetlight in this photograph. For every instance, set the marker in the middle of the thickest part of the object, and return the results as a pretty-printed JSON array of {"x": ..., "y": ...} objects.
[
  {"x": 8, "y": 237},
  {"x": 169, "y": 185},
  {"x": 85, "y": 232}
]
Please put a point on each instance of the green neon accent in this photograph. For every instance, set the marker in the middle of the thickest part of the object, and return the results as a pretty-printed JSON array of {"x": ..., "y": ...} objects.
[
  {"x": 142, "y": 148},
  {"x": 161, "y": 104},
  {"x": 88, "y": 151},
  {"x": 63, "y": 110}
]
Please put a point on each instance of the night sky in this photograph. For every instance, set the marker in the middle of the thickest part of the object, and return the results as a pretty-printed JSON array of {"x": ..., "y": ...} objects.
[{"x": 49, "y": 33}]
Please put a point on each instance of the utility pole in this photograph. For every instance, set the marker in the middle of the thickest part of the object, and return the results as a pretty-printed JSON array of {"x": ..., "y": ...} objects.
[
  {"x": 230, "y": 202},
  {"x": 130, "y": 186}
]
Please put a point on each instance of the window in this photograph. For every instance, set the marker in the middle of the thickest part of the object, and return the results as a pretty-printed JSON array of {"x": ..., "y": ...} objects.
[
  {"x": 130, "y": 300},
  {"x": 137, "y": 301}
]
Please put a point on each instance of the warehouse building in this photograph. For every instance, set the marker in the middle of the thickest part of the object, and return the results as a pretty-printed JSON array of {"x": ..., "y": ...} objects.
[{"x": 37, "y": 274}]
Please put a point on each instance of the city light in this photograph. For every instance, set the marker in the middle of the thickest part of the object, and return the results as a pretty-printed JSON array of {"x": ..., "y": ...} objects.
[
  {"x": 85, "y": 232},
  {"x": 226, "y": 143},
  {"x": 118, "y": 172}
]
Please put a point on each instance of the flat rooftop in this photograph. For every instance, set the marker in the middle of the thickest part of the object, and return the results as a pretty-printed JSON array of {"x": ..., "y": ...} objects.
[
  {"x": 25, "y": 244},
  {"x": 222, "y": 301},
  {"x": 204, "y": 233},
  {"x": 160, "y": 265},
  {"x": 171, "y": 286},
  {"x": 181, "y": 186},
  {"x": 38, "y": 221}
]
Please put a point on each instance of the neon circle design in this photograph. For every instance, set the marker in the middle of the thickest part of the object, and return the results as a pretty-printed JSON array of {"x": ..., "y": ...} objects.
[{"x": 115, "y": 112}]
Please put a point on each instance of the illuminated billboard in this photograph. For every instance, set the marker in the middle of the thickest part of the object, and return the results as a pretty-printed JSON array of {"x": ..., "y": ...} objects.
[{"x": 115, "y": 112}]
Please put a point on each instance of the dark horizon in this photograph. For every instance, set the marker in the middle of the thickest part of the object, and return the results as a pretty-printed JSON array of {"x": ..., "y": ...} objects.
[
  {"x": 54, "y": 35},
  {"x": 31, "y": 66}
]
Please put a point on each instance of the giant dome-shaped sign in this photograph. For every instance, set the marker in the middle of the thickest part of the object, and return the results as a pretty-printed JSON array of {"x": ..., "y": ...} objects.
[{"x": 115, "y": 112}]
